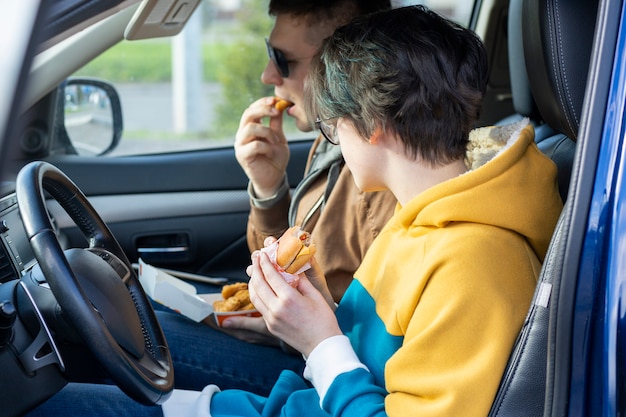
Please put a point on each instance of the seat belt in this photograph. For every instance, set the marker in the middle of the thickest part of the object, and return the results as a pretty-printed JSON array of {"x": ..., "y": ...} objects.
[{"x": 327, "y": 160}]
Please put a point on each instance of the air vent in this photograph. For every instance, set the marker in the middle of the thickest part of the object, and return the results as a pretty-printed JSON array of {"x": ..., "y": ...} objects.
[{"x": 7, "y": 271}]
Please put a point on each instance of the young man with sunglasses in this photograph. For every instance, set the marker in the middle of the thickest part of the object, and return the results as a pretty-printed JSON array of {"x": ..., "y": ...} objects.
[{"x": 326, "y": 203}]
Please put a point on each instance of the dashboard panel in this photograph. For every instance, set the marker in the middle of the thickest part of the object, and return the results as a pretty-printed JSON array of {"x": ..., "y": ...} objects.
[{"x": 16, "y": 255}]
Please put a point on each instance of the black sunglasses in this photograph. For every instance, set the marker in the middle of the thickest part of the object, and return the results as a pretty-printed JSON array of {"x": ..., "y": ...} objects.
[{"x": 278, "y": 57}]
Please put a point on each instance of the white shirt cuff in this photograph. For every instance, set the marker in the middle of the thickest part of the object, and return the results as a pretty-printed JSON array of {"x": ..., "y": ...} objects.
[
  {"x": 184, "y": 403},
  {"x": 329, "y": 359}
]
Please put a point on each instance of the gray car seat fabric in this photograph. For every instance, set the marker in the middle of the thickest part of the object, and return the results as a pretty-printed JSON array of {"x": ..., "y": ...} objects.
[
  {"x": 555, "y": 145},
  {"x": 557, "y": 39},
  {"x": 523, "y": 101}
]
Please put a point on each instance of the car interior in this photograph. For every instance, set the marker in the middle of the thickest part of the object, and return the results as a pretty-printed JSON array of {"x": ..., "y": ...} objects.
[{"x": 553, "y": 50}]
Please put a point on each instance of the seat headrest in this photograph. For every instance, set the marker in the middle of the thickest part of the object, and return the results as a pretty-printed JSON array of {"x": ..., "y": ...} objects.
[
  {"x": 558, "y": 37},
  {"x": 523, "y": 101}
]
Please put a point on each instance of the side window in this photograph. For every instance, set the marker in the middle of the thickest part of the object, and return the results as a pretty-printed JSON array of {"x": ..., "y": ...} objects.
[{"x": 188, "y": 92}]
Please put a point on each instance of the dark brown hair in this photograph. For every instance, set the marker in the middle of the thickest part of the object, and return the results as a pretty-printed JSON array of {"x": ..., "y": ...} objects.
[{"x": 408, "y": 71}]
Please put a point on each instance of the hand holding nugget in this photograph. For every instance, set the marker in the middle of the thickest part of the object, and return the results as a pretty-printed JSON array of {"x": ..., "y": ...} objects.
[{"x": 262, "y": 150}]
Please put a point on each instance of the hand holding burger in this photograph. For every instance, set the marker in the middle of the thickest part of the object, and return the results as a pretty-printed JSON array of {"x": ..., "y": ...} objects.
[{"x": 291, "y": 253}]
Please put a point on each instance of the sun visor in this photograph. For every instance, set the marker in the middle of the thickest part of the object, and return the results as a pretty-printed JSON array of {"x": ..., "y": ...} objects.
[{"x": 160, "y": 18}]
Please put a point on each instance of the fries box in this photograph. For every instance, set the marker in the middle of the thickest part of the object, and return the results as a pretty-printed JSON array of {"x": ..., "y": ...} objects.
[{"x": 181, "y": 296}]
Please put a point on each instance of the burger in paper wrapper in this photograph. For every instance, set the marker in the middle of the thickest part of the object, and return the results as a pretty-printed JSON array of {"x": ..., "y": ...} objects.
[{"x": 291, "y": 253}]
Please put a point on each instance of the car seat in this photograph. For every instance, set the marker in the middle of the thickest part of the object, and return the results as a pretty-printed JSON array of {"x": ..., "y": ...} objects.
[
  {"x": 522, "y": 97},
  {"x": 557, "y": 42},
  {"x": 556, "y": 146}
]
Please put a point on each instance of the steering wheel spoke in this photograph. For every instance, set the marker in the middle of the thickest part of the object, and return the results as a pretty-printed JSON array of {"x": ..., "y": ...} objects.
[{"x": 43, "y": 350}]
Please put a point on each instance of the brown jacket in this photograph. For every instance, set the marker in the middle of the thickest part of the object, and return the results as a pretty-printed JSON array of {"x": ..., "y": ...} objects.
[{"x": 342, "y": 229}]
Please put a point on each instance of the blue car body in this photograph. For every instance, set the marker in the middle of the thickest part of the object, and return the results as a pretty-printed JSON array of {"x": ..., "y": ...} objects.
[
  {"x": 598, "y": 344},
  {"x": 602, "y": 279}
]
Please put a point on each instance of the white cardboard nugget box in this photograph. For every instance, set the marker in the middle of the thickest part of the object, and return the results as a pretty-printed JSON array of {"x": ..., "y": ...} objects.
[{"x": 181, "y": 296}]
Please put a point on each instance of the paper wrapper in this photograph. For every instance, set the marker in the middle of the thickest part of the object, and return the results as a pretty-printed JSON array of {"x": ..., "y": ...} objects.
[{"x": 292, "y": 279}]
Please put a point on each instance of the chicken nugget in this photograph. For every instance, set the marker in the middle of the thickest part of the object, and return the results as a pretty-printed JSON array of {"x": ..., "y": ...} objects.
[
  {"x": 231, "y": 304},
  {"x": 231, "y": 289},
  {"x": 248, "y": 306},
  {"x": 218, "y": 306},
  {"x": 282, "y": 104},
  {"x": 243, "y": 296}
]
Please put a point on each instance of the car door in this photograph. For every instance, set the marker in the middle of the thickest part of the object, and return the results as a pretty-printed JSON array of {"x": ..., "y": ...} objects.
[{"x": 184, "y": 211}]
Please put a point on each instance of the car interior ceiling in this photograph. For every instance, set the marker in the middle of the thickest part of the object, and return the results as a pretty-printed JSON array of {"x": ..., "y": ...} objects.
[{"x": 530, "y": 376}]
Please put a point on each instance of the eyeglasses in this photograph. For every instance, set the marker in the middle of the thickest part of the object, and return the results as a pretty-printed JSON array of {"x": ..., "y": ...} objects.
[
  {"x": 329, "y": 130},
  {"x": 278, "y": 58}
]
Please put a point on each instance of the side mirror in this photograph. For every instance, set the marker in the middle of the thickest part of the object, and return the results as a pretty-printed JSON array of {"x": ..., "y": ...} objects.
[{"x": 91, "y": 116}]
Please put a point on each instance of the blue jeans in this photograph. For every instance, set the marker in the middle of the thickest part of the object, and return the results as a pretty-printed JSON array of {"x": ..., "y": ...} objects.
[
  {"x": 203, "y": 355},
  {"x": 94, "y": 401}
]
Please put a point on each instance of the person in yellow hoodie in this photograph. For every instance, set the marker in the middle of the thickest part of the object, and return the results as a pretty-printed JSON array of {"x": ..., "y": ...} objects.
[{"x": 428, "y": 323}]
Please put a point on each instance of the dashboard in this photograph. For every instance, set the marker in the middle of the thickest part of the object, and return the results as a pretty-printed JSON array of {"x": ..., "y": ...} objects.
[{"x": 16, "y": 255}]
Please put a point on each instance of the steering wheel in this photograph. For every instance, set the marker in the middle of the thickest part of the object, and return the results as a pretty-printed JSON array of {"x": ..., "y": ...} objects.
[{"x": 96, "y": 288}]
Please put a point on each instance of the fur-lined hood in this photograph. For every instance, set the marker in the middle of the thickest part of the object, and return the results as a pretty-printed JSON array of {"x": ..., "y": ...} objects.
[
  {"x": 510, "y": 184},
  {"x": 486, "y": 143}
]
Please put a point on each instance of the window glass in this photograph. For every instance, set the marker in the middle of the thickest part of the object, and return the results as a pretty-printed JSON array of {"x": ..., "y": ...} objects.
[{"x": 188, "y": 92}]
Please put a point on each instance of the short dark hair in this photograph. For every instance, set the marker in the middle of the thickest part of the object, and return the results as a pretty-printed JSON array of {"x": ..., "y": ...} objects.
[
  {"x": 313, "y": 11},
  {"x": 408, "y": 71}
]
